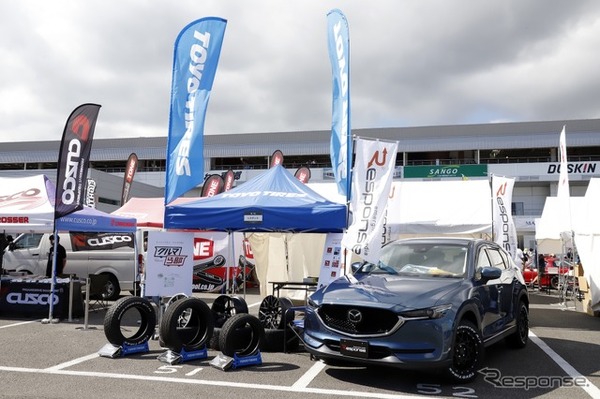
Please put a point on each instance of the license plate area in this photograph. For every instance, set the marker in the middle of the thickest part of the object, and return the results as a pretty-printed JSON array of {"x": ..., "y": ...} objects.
[{"x": 353, "y": 348}]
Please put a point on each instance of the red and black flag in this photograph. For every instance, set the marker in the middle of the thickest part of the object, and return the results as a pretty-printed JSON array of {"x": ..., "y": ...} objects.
[
  {"x": 229, "y": 180},
  {"x": 74, "y": 159},
  {"x": 213, "y": 185},
  {"x": 276, "y": 158},
  {"x": 130, "y": 169},
  {"x": 303, "y": 174}
]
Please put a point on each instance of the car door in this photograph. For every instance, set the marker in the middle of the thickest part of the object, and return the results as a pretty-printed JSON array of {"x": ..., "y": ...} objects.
[
  {"x": 504, "y": 284},
  {"x": 488, "y": 295}
]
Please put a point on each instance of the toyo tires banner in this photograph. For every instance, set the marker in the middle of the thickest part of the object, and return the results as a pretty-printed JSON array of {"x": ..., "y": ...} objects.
[{"x": 197, "y": 51}]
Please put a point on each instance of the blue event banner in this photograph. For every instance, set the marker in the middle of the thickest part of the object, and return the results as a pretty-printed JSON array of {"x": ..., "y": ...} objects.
[{"x": 196, "y": 56}]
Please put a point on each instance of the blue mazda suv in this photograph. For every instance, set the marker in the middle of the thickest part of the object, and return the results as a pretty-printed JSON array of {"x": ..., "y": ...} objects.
[{"x": 427, "y": 303}]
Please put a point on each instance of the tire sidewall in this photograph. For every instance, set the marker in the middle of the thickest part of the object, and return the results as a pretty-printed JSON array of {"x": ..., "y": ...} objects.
[{"x": 114, "y": 315}]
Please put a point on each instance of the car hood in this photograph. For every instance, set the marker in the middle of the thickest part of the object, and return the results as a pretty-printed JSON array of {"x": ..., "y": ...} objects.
[{"x": 402, "y": 293}]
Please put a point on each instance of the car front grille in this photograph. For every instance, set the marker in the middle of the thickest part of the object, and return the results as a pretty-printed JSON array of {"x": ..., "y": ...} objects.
[{"x": 359, "y": 320}]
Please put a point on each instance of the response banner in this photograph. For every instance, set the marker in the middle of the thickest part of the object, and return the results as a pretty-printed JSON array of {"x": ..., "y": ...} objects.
[
  {"x": 197, "y": 51},
  {"x": 338, "y": 38},
  {"x": 372, "y": 180},
  {"x": 503, "y": 226},
  {"x": 73, "y": 159}
]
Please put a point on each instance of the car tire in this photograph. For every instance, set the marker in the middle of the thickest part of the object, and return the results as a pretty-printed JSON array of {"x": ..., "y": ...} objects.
[
  {"x": 187, "y": 324},
  {"x": 112, "y": 290},
  {"x": 241, "y": 335},
  {"x": 467, "y": 353},
  {"x": 520, "y": 337},
  {"x": 225, "y": 306},
  {"x": 114, "y": 316},
  {"x": 554, "y": 282}
]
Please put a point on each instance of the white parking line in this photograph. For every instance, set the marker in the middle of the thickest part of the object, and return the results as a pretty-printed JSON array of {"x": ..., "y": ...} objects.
[
  {"x": 309, "y": 375},
  {"x": 19, "y": 324},
  {"x": 230, "y": 384},
  {"x": 590, "y": 388},
  {"x": 72, "y": 362}
]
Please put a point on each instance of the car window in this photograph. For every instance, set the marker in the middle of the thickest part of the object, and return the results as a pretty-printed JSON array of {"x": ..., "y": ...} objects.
[
  {"x": 496, "y": 258},
  {"x": 28, "y": 240},
  {"x": 482, "y": 259}
]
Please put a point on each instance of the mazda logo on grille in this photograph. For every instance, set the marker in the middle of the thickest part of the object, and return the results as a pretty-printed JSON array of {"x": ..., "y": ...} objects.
[{"x": 354, "y": 316}]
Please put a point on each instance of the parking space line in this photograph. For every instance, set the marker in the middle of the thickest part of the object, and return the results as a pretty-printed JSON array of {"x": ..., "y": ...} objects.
[
  {"x": 590, "y": 388},
  {"x": 72, "y": 362},
  {"x": 229, "y": 384},
  {"x": 309, "y": 375},
  {"x": 18, "y": 324}
]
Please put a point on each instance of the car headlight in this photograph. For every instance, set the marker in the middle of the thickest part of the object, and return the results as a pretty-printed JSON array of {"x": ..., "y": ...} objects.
[{"x": 428, "y": 313}]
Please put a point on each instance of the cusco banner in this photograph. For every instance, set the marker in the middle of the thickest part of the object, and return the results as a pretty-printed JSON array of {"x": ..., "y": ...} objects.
[
  {"x": 195, "y": 60},
  {"x": 73, "y": 159},
  {"x": 100, "y": 241},
  {"x": 338, "y": 39}
]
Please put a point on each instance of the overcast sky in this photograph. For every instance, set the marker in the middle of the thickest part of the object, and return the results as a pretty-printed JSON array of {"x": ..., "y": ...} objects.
[{"x": 413, "y": 63}]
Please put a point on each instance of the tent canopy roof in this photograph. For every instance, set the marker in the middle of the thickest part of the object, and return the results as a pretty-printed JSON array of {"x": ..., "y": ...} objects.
[{"x": 272, "y": 201}]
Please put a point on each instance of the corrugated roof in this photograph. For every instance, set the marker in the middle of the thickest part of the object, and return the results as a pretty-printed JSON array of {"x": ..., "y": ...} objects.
[{"x": 580, "y": 133}]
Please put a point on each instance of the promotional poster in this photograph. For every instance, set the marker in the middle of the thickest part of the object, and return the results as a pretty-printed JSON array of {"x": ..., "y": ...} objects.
[{"x": 169, "y": 264}]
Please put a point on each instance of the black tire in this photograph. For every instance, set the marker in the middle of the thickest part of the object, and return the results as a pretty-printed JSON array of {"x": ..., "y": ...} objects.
[
  {"x": 241, "y": 335},
  {"x": 112, "y": 290},
  {"x": 467, "y": 353},
  {"x": 275, "y": 338},
  {"x": 214, "y": 339},
  {"x": 272, "y": 310},
  {"x": 554, "y": 282},
  {"x": 520, "y": 337},
  {"x": 186, "y": 324},
  {"x": 124, "y": 308},
  {"x": 226, "y": 306}
]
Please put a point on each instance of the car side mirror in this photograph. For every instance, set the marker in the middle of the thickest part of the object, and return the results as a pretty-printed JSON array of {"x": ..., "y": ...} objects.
[
  {"x": 355, "y": 267},
  {"x": 490, "y": 273}
]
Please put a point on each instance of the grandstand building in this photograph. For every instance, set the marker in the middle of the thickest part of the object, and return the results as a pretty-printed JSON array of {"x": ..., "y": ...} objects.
[{"x": 526, "y": 151}]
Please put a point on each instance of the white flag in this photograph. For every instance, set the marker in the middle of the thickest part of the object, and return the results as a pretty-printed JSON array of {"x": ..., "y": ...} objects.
[
  {"x": 505, "y": 233},
  {"x": 563, "y": 182},
  {"x": 371, "y": 183}
]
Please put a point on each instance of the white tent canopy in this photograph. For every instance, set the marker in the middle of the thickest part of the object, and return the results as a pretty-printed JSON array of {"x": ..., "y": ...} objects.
[
  {"x": 587, "y": 240},
  {"x": 456, "y": 207},
  {"x": 553, "y": 228}
]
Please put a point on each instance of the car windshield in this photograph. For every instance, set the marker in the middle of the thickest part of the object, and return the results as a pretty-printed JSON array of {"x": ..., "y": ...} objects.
[{"x": 418, "y": 259}]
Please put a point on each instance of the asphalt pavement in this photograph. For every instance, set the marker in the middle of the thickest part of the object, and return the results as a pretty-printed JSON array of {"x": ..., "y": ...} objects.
[{"x": 60, "y": 360}]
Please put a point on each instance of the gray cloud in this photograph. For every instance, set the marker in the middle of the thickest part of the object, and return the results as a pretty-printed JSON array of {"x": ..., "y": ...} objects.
[{"x": 413, "y": 63}]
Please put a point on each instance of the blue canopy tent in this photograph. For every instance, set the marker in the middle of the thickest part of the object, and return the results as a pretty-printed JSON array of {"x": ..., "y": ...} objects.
[
  {"x": 275, "y": 201},
  {"x": 272, "y": 201}
]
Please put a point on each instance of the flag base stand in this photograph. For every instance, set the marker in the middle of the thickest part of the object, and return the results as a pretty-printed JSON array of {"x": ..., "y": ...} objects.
[
  {"x": 114, "y": 351},
  {"x": 172, "y": 357},
  {"x": 224, "y": 362}
]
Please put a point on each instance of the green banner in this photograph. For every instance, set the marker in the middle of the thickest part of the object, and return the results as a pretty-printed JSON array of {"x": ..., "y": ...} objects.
[{"x": 438, "y": 171}]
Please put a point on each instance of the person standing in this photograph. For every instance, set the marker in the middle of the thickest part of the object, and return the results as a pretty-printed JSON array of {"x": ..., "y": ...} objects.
[{"x": 61, "y": 257}]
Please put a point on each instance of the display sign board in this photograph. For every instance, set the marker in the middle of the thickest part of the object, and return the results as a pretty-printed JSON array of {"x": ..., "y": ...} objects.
[
  {"x": 169, "y": 263},
  {"x": 332, "y": 265}
]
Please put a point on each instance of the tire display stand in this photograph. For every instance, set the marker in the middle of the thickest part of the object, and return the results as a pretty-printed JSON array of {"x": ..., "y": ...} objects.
[
  {"x": 171, "y": 357},
  {"x": 115, "y": 351},
  {"x": 224, "y": 362}
]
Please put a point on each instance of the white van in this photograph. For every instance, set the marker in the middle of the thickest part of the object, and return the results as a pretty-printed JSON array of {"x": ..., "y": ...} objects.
[{"x": 111, "y": 254}]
